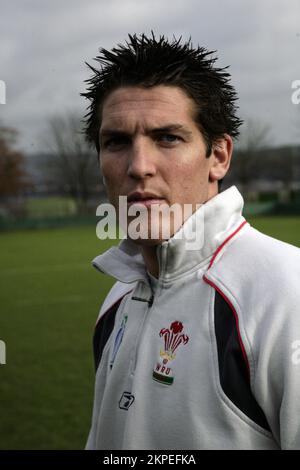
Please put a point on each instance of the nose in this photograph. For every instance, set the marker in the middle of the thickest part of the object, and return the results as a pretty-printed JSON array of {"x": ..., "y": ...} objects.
[{"x": 141, "y": 162}]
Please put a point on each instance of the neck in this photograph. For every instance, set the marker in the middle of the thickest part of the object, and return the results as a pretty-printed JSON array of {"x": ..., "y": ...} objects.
[
  {"x": 150, "y": 259},
  {"x": 149, "y": 253}
]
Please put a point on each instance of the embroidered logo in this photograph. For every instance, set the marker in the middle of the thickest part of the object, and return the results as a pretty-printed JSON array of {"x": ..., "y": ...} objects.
[
  {"x": 126, "y": 401},
  {"x": 173, "y": 337}
]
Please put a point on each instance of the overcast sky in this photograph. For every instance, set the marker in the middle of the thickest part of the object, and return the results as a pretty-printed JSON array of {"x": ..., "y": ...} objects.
[{"x": 44, "y": 44}]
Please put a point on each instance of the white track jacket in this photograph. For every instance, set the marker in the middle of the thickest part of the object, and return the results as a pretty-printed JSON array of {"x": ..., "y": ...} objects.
[{"x": 209, "y": 356}]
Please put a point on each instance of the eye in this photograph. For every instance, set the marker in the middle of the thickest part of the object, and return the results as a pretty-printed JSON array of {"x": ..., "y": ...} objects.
[
  {"x": 115, "y": 143},
  {"x": 169, "y": 138}
]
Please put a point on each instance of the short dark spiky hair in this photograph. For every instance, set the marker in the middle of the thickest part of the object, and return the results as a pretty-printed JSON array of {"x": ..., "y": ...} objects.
[{"x": 148, "y": 62}]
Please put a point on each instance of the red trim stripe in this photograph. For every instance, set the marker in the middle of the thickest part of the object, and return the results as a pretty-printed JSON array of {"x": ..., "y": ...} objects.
[
  {"x": 226, "y": 241},
  {"x": 211, "y": 283}
]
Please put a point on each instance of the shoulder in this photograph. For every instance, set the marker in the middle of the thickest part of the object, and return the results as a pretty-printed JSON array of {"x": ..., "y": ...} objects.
[
  {"x": 259, "y": 276},
  {"x": 258, "y": 261},
  {"x": 114, "y": 296},
  {"x": 269, "y": 247}
]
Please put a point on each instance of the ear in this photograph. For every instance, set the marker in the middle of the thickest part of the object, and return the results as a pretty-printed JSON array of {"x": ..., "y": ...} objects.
[{"x": 221, "y": 158}]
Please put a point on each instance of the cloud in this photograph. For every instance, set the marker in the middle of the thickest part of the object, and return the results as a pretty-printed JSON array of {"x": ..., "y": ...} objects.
[{"x": 44, "y": 46}]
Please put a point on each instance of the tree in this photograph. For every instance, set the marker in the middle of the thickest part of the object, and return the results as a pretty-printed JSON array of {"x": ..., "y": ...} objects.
[
  {"x": 253, "y": 139},
  {"x": 13, "y": 178},
  {"x": 71, "y": 165}
]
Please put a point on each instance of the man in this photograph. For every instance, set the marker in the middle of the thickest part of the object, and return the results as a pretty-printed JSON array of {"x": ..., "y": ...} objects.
[{"x": 193, "y": 347}]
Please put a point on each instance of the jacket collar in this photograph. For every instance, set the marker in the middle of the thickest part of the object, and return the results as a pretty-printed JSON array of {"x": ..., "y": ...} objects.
[{"x": 217, "y": 218}]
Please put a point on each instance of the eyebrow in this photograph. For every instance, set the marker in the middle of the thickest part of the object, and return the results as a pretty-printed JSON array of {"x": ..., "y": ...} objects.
[{"x": 156, "y": 130}]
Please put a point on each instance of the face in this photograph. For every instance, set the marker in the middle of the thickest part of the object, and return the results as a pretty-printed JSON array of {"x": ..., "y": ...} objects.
[{"x": 152, "y": 151}]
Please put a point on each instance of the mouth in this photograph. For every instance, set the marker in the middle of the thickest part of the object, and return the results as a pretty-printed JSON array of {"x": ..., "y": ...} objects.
[{"x": 143, "y": 198}]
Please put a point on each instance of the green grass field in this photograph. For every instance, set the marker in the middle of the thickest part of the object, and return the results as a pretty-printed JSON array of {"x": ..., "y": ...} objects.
[{"x": 50, "y": 297}]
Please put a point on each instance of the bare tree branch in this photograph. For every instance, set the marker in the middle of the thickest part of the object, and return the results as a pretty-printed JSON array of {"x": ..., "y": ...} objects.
[{"x": 72, "y": 164}]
